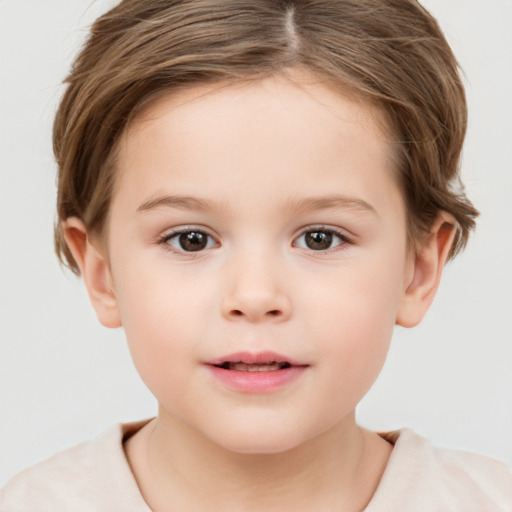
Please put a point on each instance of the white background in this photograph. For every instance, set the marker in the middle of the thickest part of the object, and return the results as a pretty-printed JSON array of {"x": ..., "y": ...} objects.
[{"x": 64, "y": 378}]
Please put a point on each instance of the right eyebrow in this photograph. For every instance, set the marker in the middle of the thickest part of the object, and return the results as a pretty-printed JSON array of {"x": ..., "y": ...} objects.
[{"x": 173, "y": 201}]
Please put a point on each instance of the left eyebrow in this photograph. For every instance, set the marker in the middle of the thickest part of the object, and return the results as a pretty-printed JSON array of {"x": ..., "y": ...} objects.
[{"x": 311, "y": 204}]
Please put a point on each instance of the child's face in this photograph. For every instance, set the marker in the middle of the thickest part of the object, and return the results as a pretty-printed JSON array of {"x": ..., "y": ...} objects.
[{"x": 299, "y": 249}]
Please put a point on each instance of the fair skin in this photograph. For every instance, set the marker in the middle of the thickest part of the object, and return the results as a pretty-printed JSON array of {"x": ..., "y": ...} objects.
[{"x": 300, "y": 248}]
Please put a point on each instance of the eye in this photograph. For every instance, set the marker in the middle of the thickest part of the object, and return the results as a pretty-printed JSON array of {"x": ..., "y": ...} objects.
[
  {"x": 320, "y": 239},
  {"x": 189, "y": 240}
]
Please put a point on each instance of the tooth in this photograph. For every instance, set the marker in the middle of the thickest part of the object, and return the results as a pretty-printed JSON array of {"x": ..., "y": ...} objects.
[
  {"x": 244, "y": 367},
  {"x": 262, "y": 367}
]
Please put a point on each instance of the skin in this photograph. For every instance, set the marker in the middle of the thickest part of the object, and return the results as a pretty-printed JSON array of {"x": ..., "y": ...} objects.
[{"x": 256, "y": 153}]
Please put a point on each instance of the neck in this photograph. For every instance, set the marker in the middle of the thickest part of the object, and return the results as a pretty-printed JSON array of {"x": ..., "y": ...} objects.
[{"x": 173, "y": 464}]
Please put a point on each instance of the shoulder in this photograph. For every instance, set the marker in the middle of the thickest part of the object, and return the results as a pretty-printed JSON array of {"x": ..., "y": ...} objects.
[
  {"x": 94, "y": 475},
  {"x": 421, "y": 477}
]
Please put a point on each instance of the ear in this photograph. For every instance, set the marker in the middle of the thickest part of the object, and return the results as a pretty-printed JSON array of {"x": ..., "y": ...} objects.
[
  {"x": 95, "y": 270},
  {"x": 426, "y": 270}
]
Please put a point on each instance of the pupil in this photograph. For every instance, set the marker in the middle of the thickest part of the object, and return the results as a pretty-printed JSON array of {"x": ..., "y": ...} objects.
[
  {"x": 193, "y": 241},
  {"x": 318, "y": 240}
]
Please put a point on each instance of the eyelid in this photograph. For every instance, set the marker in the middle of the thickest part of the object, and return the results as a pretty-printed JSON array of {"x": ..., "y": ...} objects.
[
  {"x": 341, "y": 234},
  {"x": 175, "y": 232}
]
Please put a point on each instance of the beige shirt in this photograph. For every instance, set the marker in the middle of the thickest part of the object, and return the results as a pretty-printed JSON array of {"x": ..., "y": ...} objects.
[{"x": 95, "y": 477}]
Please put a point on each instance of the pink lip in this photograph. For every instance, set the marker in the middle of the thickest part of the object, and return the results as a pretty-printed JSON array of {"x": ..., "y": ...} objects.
[
  {"x": 259, "y": 357},
  {"x": 258, "y": 381}
]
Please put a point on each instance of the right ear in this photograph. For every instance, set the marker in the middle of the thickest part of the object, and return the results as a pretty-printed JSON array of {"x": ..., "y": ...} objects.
[{"x": 95, "y": 271}]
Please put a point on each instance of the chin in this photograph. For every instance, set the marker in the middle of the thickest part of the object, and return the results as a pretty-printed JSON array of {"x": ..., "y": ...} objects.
[{"x": 262, "y": 440}]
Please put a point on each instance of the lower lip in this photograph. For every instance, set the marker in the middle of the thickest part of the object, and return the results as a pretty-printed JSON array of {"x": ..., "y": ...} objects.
[{"x": 257, "y": 382}]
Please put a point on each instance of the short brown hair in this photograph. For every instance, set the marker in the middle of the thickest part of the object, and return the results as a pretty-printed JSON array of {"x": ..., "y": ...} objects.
[{"x": 389, "y": 52}]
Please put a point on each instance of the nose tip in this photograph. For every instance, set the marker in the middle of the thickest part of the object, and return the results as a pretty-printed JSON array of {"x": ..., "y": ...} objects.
[{"x": 256, "y": 301}]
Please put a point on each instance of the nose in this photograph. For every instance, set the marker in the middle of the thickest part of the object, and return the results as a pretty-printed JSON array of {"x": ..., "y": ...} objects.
[{"x": 255, "y": 292}]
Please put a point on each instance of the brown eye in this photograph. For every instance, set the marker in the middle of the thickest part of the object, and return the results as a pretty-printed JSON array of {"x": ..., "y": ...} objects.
[
  {"x": 320, "y": 239},
  {"x": 189, "y": 241},
  {"x": 193, "y": 241}
]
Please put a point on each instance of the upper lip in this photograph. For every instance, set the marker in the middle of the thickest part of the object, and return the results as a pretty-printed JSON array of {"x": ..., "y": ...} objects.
[{"x": 264, "y": 357}]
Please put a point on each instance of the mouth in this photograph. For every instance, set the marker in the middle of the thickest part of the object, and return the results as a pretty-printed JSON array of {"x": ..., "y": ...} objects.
[
  {"x": 256, "y": 373},
  {"x": 266, "y": 361},
  {"x": 240, "y": 366}
]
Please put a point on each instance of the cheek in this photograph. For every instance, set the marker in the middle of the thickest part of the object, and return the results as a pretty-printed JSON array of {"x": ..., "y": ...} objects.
[
  {"x": 356, "y": 339},
  {"x": 353, "y": 317},
  {"x": 164, "y": 321}
]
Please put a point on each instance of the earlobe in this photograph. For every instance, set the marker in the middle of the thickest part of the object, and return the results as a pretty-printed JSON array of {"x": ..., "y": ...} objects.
[
  {"x": 95, "y": 270},
  {"x": 429, "y": 260}
]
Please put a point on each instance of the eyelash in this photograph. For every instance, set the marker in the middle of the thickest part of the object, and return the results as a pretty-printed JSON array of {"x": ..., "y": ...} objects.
[
  {"x": 165, "y": 240},
  {"x": 343, "y": 239}
]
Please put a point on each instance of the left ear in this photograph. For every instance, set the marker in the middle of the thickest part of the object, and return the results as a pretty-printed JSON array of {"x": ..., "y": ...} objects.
[{"x": 427, "y": 268}]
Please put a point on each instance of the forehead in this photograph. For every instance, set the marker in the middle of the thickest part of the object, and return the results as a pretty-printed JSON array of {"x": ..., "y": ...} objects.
[
  {"x": 287, "y": 132},
  {"x": 296, "y": 91}
]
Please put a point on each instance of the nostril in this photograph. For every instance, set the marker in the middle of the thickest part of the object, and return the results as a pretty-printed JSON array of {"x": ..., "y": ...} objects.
[{"x": 273, "y": 312}]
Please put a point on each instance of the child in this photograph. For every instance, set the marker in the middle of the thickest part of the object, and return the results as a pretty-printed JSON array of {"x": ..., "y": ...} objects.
[{"x": 258, "y": 191}]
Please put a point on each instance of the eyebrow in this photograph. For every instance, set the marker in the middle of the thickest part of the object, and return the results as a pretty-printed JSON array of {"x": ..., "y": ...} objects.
[
  {"x": 334, "y": 201},
  {"x": 306, "y": 205},
  {"x": 179, "y": 202}
]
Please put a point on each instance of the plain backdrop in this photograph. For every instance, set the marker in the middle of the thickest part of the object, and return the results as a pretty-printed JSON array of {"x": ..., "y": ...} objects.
[{"x": 65, "y": 378}]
